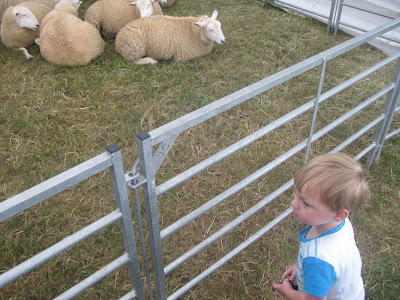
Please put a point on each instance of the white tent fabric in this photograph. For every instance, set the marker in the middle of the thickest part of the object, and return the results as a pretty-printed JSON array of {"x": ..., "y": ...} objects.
[{"x": 357, "y": 17}]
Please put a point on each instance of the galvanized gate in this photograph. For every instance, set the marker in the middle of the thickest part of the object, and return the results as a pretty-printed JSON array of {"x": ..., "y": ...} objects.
[
  {"x": 154, "y": 146},
  {"x": 111, "y": 159}
]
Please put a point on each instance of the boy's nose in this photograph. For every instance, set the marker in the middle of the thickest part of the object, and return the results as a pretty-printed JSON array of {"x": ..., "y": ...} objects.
[{"x": 294, "y": 203}]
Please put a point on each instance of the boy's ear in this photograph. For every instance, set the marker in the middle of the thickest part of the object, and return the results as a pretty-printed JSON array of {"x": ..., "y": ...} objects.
[{"x": 341, "y": 215}]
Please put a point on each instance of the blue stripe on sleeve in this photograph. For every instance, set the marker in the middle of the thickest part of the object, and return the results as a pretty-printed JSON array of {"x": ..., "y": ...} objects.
[{"x": 319, "y": 276}]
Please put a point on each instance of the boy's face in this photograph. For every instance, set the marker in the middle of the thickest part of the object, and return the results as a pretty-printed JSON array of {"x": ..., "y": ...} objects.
[{"x": 308, "y": 208}]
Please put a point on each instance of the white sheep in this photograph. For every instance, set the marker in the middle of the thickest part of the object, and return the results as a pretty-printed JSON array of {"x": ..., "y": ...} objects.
[
  {"x": 109, "y": 16},
  {"x": 20, "y": 25},
  {"x": 67, "y": 40},
  {"x": 167, "y": 37},
  {"x": 167, "y": 3},
  {"x": 4, "y": 4}
]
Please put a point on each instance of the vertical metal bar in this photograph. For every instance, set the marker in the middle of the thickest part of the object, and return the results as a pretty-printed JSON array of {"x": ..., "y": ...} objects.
[
  {"x": 331, "y": 17},
  {"x": 142, "y": 243},
  {"x": 338, "y": 16},
  {"x": 121, "y": 198},
  {"x": 321, "y": 83},
  {"x": 392, "y": 99},
  {"x": 143, "y": 141}
]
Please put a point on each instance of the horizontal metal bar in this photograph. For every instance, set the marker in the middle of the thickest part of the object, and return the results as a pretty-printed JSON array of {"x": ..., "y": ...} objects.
[
  {"x": 57, "y": 248},
  {"x": 230, "y": 255},
  {"x": 364, "y": 30},
  {"x": 337, "y": 89},
  {"x": 54, "y": 185},
  {"x": 227, "y": 228},
  {"x": 129, "y": 296},
  {"x": 365, "y": 151},
  {"x": 392, "y": 134},
  {"x": 359, "y": 133},
  {"x": 189, "y": 120},
  {"x": 368, "y": 11},
  {"x": 349, "y": 114},
  {"x": 189, "y": 173},
  {"x": 94, "y": 278},
  {"x": 290, "y": 5}
]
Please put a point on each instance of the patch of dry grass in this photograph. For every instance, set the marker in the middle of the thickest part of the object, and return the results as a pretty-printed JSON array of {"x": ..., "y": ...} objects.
[{"x": 53, "y": 118}]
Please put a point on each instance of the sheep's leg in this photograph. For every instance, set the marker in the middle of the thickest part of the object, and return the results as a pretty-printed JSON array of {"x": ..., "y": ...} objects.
[
  {"x": 27, "y": 55},
  {"x": 37, "y": 41},
  {"x": 146, "y": 61}
]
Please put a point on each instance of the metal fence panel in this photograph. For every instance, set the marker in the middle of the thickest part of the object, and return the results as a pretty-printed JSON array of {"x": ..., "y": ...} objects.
[
  {"x": 111, "y": 159},
  {"x": 166, "y": 135}
]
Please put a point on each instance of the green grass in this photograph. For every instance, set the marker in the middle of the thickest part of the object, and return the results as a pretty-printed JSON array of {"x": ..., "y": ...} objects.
[{"x": 53, "y": 118}]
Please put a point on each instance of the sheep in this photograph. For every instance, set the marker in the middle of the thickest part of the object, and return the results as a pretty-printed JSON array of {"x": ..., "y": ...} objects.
[
  {"x": 167, "y": 37},
  {"x": 20, "y": 25},
  {"x": 4, "y": 4},
  {"x": 167, "y": 3},
  {"x": 109, "y": 16},
  {"x": 67, "y": 40}
]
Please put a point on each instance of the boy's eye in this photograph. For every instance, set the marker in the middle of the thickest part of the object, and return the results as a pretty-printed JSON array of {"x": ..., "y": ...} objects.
[{"x": 305, "y": 203}]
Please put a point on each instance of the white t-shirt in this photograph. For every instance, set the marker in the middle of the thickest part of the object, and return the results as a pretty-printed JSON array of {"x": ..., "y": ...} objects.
[{"x": 330, "y": 265}]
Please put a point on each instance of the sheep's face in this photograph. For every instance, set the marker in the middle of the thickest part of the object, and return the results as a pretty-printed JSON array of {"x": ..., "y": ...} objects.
[
  {"x": 24, "y": 18},
  {"x": 212, "y": 29},
  {"x": 213, "y": 32},
  {"x": 145, "y": 7}
]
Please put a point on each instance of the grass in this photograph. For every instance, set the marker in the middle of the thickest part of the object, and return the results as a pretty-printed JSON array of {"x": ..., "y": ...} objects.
[{"x": 53, "y": 118}]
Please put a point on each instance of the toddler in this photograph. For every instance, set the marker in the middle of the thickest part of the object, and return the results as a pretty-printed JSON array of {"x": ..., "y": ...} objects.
[{"x": 328, "y": 189}]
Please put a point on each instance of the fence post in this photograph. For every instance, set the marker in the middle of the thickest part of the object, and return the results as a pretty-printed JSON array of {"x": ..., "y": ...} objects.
[
  {"x": 392, "y": 99},
  {"x": 126, "y": 225},
  {"x": 334, "y": 17},
  {"x": 143, "y": 141},
  {"x": 338, "y": 16}
]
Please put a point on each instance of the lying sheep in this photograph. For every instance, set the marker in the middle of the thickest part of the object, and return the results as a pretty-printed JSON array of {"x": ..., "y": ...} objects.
[
  {"x": 20, "y": 26},
  {"x": 67, "y": 40},
  {"x": 4, "y": 4},
  {"x": 109, "y": 16},
  {"x": 166, "y": 37}
]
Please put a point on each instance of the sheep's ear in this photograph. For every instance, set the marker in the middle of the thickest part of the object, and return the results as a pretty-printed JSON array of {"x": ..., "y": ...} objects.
[
  {"x": 214, "y": 15},
  {"x": 200, "y": 24},
  {"x": 131, "y": 4}
]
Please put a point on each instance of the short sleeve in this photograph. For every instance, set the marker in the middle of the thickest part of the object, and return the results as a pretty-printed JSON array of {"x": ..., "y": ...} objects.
[{"x": 319, "y": 276}]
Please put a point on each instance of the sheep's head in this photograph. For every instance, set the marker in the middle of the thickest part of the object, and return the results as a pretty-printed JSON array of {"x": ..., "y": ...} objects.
[
  {"x": 75, "y": 3},
  {"x": 212, "y": 28},
  {"x": 145, "y": 7},
  {"x": 24, "y": 18}
]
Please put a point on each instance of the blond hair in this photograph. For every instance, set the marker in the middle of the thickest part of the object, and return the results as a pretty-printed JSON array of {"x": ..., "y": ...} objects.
[{"x": 338, "y": 178}]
